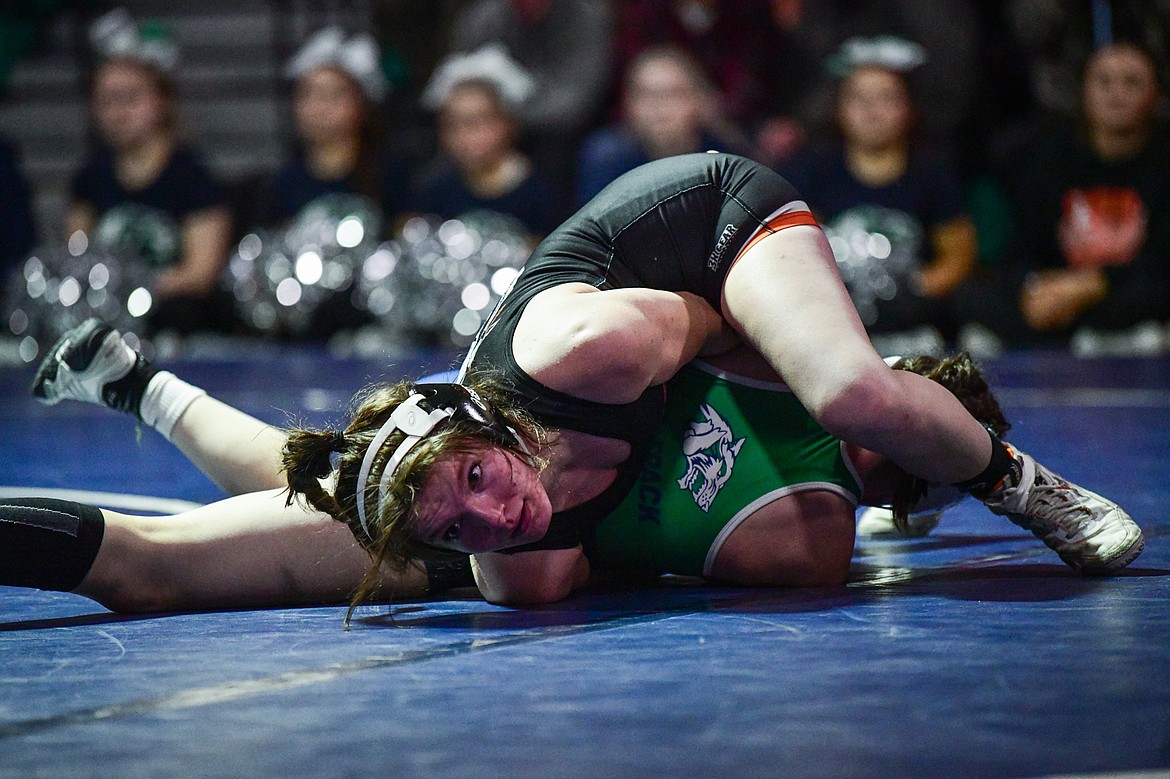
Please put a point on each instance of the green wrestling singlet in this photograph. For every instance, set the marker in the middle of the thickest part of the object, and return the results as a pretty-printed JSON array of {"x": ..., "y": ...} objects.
[{"x": 727, "y": 446}]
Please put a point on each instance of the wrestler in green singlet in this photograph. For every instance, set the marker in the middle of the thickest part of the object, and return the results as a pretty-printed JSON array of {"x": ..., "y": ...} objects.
[{"x": 726, "y": 446}]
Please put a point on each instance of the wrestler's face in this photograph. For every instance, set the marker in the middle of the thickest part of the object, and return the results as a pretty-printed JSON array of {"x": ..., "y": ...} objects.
[
  {"x": 328, "y": 106},
  {"x": 874, "y": 108},
  {"x": 487, "y": 499},
  {"x": 1121, "y": 90}
]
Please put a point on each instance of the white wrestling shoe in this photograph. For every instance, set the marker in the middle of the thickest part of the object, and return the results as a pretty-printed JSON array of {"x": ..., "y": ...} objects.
[
  {"x": 87, "y": 364},
  {"x": 878, "y": 522},
  {"x": 1090, "y": 533}
]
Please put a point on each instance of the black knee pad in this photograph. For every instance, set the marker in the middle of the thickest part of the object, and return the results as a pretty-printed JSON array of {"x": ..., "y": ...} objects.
[{"x": 47, "y": 543}]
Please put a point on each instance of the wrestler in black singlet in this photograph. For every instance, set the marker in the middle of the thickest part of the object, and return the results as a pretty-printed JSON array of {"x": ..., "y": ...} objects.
[{"x": 674, "y": 224}]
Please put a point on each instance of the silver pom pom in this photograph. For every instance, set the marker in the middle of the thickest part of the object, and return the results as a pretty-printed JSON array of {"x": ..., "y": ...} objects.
[
  {"x": 877, "y": 253},
  {"x": 438, "y": 280},
  {"x": 280, "y": 280}
]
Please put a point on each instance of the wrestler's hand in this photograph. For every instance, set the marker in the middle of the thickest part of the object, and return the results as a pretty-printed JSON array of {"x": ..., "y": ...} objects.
[{"x": 1053, "y": 300}]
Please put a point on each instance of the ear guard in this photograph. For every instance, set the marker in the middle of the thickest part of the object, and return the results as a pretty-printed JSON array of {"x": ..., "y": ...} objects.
[
  {"x": 428, "y": 406},
  {"x": 465, "y": 404}
]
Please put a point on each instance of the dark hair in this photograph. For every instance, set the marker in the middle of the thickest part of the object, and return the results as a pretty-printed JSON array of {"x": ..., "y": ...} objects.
[
  {"x": 308, "y": 458},
  {"x": 688, "y": 62},
  {"x": 371, "y": 132},
  {"x": 959, "y": 374}
]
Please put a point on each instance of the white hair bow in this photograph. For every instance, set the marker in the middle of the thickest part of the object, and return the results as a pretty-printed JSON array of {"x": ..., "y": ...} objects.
[
  {"x": 117, "y": 35},
  {"x": 490, "y": 63},
  {"x": 357, "y": 56},
  {"x": 885, "y": 51}
]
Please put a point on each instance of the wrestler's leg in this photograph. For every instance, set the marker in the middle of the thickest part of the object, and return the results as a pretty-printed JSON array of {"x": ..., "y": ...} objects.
[
  {"x": 785, "y": 297},
  {"x": 800, "y": 540},
  {"x": 238, "y": 452},
  {"x": 92, "y": 363},
  {"x": 243, "y": 552}
]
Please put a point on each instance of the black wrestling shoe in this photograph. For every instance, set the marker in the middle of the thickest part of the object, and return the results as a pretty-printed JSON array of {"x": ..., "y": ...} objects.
[{"x": 92, "y": 363}]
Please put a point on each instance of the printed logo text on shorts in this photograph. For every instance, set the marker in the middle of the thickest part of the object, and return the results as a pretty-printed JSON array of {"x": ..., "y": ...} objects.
[{"x": 720, "y": 247}]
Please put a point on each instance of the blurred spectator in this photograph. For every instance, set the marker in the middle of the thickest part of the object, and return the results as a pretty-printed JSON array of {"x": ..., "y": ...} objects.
[
  {"x": 944, "y": 87},
  {"x": 1093, "y": 217},
  {"x": 669, "y": 107},
  {"x": 1059, "y": 36},
  {"x": 746, "y": 50},
  {"x": 415, "y": 37},
  {"x": 339, "y": 84},
  {"x": 478, "y": 97},
  {"x": 143, "y": 179},
  {"x": 891, "y": 205},
  {"x": 567, "y": 47},
  {"x": 17, "y": 226}
]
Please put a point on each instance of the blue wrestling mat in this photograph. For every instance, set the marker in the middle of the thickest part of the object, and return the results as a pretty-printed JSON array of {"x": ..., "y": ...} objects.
[{"x": 972, "y": 652}]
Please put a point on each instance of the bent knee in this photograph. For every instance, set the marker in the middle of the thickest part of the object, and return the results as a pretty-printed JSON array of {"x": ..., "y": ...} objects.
[{"x": 803, "y": 540}]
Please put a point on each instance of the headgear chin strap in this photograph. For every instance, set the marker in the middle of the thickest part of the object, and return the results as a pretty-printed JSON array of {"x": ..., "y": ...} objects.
[{"x": 417, "y": 416}]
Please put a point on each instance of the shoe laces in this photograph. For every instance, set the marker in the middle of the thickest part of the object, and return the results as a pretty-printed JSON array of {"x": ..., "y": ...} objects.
[{"x": 1057, "y": 504}]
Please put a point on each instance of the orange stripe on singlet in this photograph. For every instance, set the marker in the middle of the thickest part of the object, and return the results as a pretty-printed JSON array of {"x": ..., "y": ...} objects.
[{"x": 775, "y": 224}]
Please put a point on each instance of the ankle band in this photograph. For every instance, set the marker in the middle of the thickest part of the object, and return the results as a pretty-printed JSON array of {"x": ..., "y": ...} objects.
[{"x": 1002, "y": 466}]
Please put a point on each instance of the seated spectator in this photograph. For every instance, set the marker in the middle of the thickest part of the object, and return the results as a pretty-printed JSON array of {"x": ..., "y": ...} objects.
[
  {"x": 143, "y": 177},
  {"x": 747, "y": 51},
  {"x": 668, "y": 107},
  {"x": 17, "y": 226},
  {"x": 1092, "y": 205},
  {"x": 1057, "y": 40},
  {"x": 338, "y": 86},
  {"x": 478, "y": 98},
  {"x": 892, "y": 207},
  {"x": 567, "y": 47},
  {"x": 945, "y": 85}
]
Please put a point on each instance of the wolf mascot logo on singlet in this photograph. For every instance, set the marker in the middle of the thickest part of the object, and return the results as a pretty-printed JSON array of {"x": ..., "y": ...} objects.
[{"x": 710, "y": 448}]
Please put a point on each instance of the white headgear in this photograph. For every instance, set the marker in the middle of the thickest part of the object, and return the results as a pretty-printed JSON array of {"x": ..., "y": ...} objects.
[
  {"x": 417, "y": 417},
  {"x": 490, "y": 63},
  {"x": 358, "y": 57},
  {"x": 411, "y": 419},
  {"x": 116, "y": 35}
]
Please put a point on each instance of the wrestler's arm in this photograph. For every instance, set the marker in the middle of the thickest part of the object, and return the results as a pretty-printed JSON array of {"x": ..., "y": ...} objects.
[
  {"x": 610, "y": 345},
  {"x": 606, "y": 346},
  {"x": 530, "y": 578}
]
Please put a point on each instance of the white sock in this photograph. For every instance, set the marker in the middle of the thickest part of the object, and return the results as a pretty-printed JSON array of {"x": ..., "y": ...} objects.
[{"x": 166, "y": 398}]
